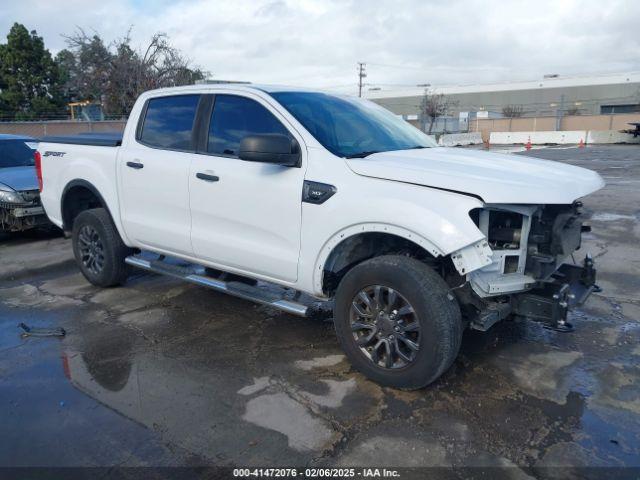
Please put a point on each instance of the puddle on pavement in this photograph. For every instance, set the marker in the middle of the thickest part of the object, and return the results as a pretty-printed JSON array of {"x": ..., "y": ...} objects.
[
  {"x": 48, "y": 420},
  {"x": 187, "y": 385}
]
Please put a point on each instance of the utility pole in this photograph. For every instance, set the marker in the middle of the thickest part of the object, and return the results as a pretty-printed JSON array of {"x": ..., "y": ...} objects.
[
  {"x": 560, "y": 113},
  {"x": 361, "y": 75}
]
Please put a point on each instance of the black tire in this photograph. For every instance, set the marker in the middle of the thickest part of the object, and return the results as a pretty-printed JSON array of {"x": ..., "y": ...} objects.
[
  {"x": 105, "y": 239},
  {"x": 435, "y": 310}
]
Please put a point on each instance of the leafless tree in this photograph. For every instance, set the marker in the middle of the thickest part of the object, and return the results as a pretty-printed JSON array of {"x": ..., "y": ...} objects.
[
  {"x": 513, "y": 111},
  {"x": 433, "y": 106},
  {"x": 117, "y": 73},
  {"x": 161, "y": 65}
]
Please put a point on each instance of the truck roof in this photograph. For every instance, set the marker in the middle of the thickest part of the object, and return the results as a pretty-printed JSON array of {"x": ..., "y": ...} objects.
[{"x": 233, "y": 86}]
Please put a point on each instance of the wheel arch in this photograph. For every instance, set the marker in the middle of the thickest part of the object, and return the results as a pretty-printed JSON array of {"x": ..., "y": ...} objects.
[
  {"x": 357, "y": 243},
  {"x": 77, "y": 196}
]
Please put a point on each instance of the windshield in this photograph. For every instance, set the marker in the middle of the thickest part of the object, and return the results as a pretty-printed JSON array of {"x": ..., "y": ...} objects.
[
  {"x": 15, "y": 153},
  {"x": 351, "y": 127}
]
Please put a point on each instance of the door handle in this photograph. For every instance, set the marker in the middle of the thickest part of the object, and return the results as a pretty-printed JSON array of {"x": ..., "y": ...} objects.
[
  {"x": 206, "y": 177},
  {"x": 136, "y": 165}
]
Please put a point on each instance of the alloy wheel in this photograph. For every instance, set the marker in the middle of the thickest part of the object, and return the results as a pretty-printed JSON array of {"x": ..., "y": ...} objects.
[
  {"x": 385, "y": 327},
  {"x": 91, "y": 249}
]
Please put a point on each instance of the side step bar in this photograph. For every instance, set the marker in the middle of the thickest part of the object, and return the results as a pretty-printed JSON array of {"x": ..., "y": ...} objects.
[{"x": 254, "y": 294}]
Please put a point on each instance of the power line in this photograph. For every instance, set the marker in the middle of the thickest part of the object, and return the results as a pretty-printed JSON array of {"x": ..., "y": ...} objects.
[
  {"x": 331, "y": 87},
  {"x": 408, "y": 67}
]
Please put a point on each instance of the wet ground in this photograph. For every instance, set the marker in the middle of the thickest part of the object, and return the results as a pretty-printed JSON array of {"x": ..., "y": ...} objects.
[{"x": 161, "y": 373}]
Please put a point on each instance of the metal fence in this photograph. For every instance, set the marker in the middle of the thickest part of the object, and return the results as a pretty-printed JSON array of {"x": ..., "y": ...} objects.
[{"x": 60, "y": 127}]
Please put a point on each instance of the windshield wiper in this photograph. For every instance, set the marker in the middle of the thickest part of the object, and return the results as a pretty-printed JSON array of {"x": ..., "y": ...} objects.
[
  {"x": 362, "y": 154},
  {"x": 416, "y": 147},
  {"x": 371, "y": 152}
]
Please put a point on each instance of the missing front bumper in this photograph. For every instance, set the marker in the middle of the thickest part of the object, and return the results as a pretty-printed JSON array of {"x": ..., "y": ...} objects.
[
  {"x": 18, "y": 219},
  {"x": 549, "y": 302},
  {"x": 570, "y": 286}
]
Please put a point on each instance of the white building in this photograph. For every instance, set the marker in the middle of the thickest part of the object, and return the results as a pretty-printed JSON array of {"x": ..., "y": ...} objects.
[{"x": 598, "y": 94}]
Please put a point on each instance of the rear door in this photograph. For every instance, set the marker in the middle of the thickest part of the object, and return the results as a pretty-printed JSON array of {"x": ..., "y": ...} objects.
[
  {"x": 154, "y": 174},
  {"x": 245, "y": 215}
]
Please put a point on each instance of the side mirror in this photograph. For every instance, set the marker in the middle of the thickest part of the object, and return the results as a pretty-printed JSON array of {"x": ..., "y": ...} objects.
[{"x": 275, "y": 148}]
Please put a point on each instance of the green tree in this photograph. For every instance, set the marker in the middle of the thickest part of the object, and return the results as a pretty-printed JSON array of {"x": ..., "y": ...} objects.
[
  {"x": 29, "y": 87},
  {"x": 87, "y": 66},
  {"x": 66, "y": 63}
]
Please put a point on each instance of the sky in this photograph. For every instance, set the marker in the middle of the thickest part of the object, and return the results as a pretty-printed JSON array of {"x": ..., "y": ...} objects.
[{"x": 317, "y": 43}]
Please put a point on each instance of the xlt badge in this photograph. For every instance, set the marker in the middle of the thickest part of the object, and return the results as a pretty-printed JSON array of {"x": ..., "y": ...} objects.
[{"x": 316, "y": 192}]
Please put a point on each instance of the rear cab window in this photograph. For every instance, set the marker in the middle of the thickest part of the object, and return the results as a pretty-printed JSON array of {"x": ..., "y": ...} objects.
[
  {"x": 16, "y": 153},
  {"x": 235, "y": 117},
  {"x": 168, "y": 122}
]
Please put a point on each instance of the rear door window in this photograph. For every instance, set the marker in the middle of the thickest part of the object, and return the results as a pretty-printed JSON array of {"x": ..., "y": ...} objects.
[
  {"x": 236, "y": 117},
  {"x": 168, "y": 122}
]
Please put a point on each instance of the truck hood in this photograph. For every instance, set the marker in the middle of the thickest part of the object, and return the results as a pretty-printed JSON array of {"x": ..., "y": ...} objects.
[
  {"x": 494, "y": 177},
  {"x": 19, "y": 178}
]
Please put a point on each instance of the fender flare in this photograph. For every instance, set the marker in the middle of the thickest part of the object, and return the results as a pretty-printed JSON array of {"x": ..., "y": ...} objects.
[
  {"x": 353, "y": 230},
  {"x": 78, "y": 182}
]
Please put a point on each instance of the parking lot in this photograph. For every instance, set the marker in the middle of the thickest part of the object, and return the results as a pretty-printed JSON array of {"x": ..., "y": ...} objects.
[{"x": 162, "y": 373}]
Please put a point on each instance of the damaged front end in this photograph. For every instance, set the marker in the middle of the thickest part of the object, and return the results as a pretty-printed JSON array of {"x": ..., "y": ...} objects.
[
  {"x": 551, "y": 300},
  {"x": 21, "y": 211},
  {"x": 527, "y": 275}
]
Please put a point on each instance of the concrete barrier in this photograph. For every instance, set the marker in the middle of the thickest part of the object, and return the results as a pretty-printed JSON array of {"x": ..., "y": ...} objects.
[
  {"x": 610, "y": 136},
  {"x": 460, "y": 139},
  {"x": 538, "y": 138},
  {"x": 561, "y": 138}
]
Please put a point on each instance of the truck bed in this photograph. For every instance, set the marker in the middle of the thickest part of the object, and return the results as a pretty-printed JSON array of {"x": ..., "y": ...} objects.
[
  {"x": 87, "y": 158},
  {"x": 103, "y": 139}
]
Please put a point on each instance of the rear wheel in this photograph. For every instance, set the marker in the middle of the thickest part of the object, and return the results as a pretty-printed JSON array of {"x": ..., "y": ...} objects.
[
  {"x": 98, "y": 248},
  {"x": 397, "y": 322}
]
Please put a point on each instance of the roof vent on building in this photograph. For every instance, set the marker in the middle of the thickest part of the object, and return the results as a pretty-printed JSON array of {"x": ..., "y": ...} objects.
[{"x": 551, "y": 75}]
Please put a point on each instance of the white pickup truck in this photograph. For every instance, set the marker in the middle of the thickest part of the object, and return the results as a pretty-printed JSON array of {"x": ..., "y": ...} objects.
[{"x": 291, "y": 197}]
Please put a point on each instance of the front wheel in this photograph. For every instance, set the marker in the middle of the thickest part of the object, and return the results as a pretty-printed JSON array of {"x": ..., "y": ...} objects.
[
  {"x": 98, "y": 248},
  {"x": 397, "y": 322}
]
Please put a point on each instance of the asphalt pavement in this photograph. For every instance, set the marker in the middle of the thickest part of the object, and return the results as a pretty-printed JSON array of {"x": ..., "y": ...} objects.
[{"x": 163, "y": 373}]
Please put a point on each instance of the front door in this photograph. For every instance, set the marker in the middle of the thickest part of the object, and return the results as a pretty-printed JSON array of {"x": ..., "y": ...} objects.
[{"x": 245, "y": 215}]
